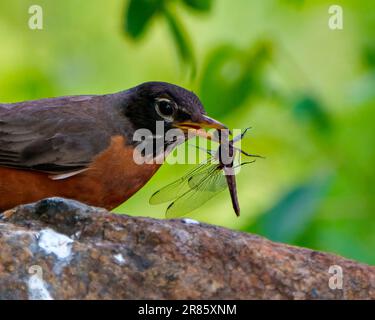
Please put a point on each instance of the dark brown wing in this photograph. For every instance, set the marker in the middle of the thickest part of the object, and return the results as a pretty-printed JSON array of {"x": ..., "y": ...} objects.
[{"x": 57, "y": 135}]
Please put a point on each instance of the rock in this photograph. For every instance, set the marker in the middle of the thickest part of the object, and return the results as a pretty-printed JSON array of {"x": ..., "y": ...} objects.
[{"x": 62, "y": 249}]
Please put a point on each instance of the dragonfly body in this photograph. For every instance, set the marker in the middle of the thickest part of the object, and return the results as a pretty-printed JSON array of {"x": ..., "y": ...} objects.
[
  {"x": 227, "y": 152},
  {"x": 205, "y": 181}
]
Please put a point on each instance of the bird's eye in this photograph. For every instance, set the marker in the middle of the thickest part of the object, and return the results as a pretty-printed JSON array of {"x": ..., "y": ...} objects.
[{"x": 165, "y": 108}]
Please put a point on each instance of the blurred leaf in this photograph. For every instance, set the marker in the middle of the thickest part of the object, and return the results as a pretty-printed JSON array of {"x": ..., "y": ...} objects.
[
  {"x": 309, "y": 110},
  {"x": 180, "y": 37},
  {"x": 369, "y": 55},
  {"x": 201, "y": 5},
  {"x": 230, "y": 76},
  {"x": 138, "y": 15},
  {"x": 292, "y": 214}
]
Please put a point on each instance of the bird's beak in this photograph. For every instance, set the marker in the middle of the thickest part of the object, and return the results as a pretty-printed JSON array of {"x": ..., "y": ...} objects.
[{"x": 204, "y": 122}]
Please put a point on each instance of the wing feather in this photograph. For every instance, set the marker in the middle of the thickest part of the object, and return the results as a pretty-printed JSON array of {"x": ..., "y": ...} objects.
[{"x": 56, "y": 136}]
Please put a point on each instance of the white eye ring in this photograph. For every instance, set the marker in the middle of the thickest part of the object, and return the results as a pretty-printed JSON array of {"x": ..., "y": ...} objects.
[{"x": 165, "y": 108}]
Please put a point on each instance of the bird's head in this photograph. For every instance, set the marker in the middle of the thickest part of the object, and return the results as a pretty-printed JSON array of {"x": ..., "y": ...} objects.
[{"x": 175, "y": 106}]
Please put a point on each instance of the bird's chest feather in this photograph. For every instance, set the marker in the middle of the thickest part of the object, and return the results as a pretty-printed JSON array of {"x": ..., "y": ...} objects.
[
  {"x": 115, "y": 174},
  {"x": 117, "y": 166}
]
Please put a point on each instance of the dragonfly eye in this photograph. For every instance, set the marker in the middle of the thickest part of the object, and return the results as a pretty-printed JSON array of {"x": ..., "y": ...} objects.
[{"x": 165, "y": 108}]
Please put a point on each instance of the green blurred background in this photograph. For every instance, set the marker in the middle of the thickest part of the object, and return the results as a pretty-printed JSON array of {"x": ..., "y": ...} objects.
[{"x": 307, "y": 91}]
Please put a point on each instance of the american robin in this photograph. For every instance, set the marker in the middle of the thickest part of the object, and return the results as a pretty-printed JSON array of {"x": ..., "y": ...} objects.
[{"x": 81, "y": 147}]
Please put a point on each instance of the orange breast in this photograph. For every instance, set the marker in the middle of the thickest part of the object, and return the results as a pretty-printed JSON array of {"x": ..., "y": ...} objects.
[{"x": 112, "y": 178}]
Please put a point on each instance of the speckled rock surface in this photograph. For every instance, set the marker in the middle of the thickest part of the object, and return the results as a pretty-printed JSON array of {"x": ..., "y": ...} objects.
[{"x": 62, "y": 249}]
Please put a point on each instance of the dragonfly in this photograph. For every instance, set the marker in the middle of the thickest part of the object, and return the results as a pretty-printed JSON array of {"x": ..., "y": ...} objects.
[{"x": 206, "y": 180}]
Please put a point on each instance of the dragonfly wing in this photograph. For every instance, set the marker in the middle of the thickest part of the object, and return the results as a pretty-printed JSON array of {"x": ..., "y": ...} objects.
[
  {"x": 179, "y": 187},
  {"x": 207, "y": 187},
  {"x": 212, "y": 185}
]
